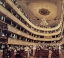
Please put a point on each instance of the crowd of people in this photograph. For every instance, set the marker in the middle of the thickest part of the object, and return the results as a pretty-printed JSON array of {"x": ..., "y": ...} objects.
[{"x": 37, "y": 51}]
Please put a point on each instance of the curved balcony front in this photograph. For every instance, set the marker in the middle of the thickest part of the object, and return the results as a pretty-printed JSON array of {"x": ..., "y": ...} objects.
[
  {"x": 19, "y": 42},
  {"x": 13, "y": 18},
  {"x": 21, "y": 14},
  {"x": 16, "y": 31}
]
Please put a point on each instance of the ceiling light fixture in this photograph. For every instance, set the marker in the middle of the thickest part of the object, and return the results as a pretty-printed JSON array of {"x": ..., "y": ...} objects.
[{"x": 44, "y": 22}]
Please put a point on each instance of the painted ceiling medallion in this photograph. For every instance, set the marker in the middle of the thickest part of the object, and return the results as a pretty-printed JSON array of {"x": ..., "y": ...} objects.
[{"x": 44, "y": 11}]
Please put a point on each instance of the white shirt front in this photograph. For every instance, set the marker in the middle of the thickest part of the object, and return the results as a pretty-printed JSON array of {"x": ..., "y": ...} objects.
[
  {"x": 26, "y": 48},
  {"x": 34, "y": 47}
]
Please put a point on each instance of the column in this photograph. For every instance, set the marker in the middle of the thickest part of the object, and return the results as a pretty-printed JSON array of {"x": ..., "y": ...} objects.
[
  {"x": 50, "y": 54},
  {"x": 4, "y": 19},
  {"x": 60, "y": 54},
  {"x": 1, "y": 53},
  {"x": 11, "y": 23},
  {"x": 16, "y": 26}
]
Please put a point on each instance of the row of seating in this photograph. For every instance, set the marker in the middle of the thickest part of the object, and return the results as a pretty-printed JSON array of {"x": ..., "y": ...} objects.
[
  {"x": 45, "y": 54},
  {"x": 12, "y": 54}
]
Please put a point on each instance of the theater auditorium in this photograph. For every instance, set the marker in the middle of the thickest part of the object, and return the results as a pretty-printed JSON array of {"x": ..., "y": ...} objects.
[{"x": 31, "y": 28}]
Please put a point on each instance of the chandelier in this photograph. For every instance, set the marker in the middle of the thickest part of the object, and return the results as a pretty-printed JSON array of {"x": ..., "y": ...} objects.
[{"x": 44, "y": 22}]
